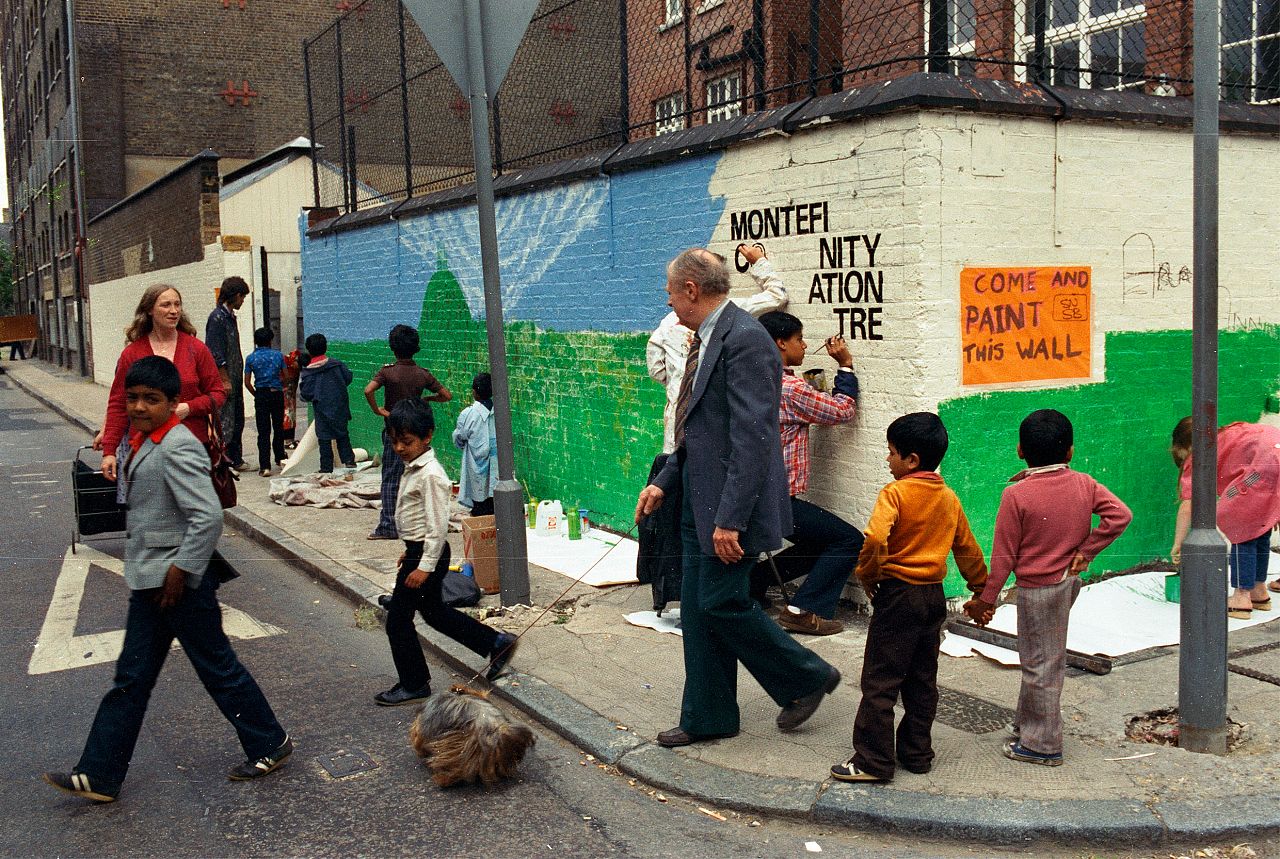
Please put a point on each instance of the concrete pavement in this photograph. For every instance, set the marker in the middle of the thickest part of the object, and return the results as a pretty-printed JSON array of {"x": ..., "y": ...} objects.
[{"x": 610, "y": 687}]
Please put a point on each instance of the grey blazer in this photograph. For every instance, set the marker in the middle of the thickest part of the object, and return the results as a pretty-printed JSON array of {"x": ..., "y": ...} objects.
[
  {"x": 732, "y": 451},
  {"x": 174, "y": 516}
]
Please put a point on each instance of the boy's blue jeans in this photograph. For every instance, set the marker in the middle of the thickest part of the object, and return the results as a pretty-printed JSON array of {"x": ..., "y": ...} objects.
[
  {"x": 196, "y": 621},
  {"x": 1249, "y": 561},
  {"x": 344, "y": 450}
]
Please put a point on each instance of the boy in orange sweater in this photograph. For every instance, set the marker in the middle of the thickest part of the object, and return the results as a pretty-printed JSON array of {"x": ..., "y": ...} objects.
[{"x": 916, "y": 522}]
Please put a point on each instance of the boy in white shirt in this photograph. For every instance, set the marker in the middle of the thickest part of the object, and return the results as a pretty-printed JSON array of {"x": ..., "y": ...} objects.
[{"x": 422, "y": 521}]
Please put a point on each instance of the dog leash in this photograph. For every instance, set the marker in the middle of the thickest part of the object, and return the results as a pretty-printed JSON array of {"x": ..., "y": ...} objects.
[{"x": 550, "y": 606}]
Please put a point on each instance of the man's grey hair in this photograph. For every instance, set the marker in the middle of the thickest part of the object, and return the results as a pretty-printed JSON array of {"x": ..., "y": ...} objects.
[{"x": 708, "y": 270}]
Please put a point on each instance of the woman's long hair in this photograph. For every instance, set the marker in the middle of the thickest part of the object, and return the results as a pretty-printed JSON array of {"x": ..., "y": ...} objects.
[{"x": 142, "y": 321}]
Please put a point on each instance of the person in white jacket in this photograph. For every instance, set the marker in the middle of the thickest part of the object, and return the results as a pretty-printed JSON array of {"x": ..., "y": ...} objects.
[{"x": 668, "y": 346}]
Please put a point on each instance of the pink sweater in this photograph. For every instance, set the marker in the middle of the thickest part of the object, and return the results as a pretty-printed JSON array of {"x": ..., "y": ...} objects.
[
  {"x": 1045, "y": 518},
  {"x": 1248, "y": 480}
]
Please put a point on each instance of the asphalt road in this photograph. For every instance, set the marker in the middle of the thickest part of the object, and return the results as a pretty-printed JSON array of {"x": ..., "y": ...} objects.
[{"x": 318, "y": 664}]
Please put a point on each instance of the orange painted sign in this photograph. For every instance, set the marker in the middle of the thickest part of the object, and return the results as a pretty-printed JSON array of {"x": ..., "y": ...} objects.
[{"x": 1025, "y": 324}]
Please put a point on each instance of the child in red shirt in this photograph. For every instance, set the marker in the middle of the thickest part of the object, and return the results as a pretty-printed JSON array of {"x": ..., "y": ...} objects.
[{"x": 1045, "y": 536}]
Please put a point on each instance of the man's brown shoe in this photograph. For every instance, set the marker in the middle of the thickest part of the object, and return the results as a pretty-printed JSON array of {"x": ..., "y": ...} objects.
[
  {"x": 674, "y": 737},
  {"x": 808, "y": 623},
  {"x": 798, "y": 711}
]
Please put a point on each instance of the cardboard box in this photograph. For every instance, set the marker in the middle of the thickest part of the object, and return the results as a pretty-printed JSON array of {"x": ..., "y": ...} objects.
[{"x": 480, "y": 547}]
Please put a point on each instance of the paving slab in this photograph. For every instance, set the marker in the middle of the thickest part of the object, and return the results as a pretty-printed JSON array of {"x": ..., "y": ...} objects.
[{"x": 610, "y": 687}]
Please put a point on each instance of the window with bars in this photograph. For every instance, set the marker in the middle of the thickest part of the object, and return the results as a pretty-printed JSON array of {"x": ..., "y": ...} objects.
[
  {"x": 668, "y": 114},
  {"x": 1091, "y": 44},
  {"x": 1251, "y": 50},
  {"x": 675, "y": 11},
  {"x": 724, "y": 97}
]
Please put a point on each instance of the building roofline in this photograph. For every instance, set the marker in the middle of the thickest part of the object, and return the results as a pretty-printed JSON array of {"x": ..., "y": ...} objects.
[
  {"x": 297, "y": 146},
  {"x": 205, "y": 155}
]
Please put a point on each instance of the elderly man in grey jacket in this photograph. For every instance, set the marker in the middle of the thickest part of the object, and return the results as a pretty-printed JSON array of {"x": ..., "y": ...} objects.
[
  {"x": 728, "y": 461},
  {"x": 173, "y": 523}
]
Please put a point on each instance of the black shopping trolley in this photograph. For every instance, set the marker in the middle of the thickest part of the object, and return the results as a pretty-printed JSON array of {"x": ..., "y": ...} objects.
[{"x": 97, "y": 511}]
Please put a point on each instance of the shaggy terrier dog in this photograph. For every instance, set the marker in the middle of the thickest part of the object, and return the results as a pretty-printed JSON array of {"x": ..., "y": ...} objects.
[{"x": 463, "y": 738}]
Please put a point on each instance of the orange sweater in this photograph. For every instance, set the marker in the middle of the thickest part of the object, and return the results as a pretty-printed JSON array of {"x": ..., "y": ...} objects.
[{"x": 917, "y": 520}]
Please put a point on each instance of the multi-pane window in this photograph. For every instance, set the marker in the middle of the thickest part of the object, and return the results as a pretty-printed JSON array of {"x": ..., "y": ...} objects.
[
  {"x": 724, "y": 97},
  {"x": 1251, "y": 50},
  {"x": 962, "y": 36},
  {"x": 675, "y": 10},
  {"x": 668, "y": 114},
  {"x": 1091, "y": 44}
]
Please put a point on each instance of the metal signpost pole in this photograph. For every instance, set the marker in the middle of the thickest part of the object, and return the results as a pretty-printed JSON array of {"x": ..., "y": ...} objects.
[{"x": 1202, "y": 661}]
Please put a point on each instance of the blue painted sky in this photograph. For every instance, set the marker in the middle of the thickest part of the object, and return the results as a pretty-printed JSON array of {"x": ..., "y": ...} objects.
[{"x": 586, "y": 256}]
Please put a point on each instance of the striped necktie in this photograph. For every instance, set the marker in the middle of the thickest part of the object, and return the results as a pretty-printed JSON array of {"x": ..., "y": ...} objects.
[{"x": 686, "y": 389}]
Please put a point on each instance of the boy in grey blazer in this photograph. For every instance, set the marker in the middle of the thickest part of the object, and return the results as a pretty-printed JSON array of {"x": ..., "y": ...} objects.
[{"x": 174, "y": 522}]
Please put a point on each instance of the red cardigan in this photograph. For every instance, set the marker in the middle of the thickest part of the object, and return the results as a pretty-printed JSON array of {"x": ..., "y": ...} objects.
[{"x": 202, "y": 388}]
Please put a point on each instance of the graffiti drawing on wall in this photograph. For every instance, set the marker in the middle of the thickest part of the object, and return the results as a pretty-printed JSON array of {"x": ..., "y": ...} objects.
[
  {"x": 846, "y": 278},
  {"x": 1142, "y": 276},
  {"x": 1025, "y": 324}
]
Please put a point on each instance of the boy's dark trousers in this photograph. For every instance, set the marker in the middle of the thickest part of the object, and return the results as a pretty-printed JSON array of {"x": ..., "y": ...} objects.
[
  {"x": 344, "y": 451},
  {"x": 268, "y": 408},
  {"x": 824, "y": 548},
  {"x": 901, "y": 658},
  {"x": 196, "y": 621},
  {"x": 406, "y": 650},
  {"x": 392, "y": 471},
  {"x": 232, "y": 415}
]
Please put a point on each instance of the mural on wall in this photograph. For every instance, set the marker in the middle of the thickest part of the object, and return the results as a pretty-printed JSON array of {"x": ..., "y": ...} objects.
[
  {"x": 846, "y": 276},
  {"x": 1025, "y": 324},
  {"x": 1122, "y": 428},
  {"x": 583, "y": 271}
]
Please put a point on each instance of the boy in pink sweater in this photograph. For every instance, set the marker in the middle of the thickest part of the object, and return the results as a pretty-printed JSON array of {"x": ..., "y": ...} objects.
[{"x": 1045, "y": 536}]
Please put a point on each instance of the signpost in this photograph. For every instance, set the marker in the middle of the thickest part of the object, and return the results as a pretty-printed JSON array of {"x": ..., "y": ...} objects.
[
  {"x": 1202, "y": 658},
  {"x": 477, "y": 40}
]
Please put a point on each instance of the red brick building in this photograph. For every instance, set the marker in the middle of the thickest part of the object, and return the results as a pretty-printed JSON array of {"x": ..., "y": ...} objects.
[
  {"x": 696, "y": 61},
  {"x": 145, "y": 86}
]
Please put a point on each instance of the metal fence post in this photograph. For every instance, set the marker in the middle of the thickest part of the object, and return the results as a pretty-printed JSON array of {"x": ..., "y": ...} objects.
[
  {"x": 497, "y": 134},
  {"x": 815, "y": 28},
  {"x": 311, "y": 119},
  {"x": 404, "y": 107},
  {"x": 624, "y": 100},
  {"x": 350, "y": 170},
  {"x": 939, "y": 44},
  {"x": 342, "y": 119},
  {"x": 1040, "y": 54}
]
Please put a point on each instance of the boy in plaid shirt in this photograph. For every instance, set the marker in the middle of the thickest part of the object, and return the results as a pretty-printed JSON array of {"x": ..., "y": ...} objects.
[{"x": 825, "y": 546}]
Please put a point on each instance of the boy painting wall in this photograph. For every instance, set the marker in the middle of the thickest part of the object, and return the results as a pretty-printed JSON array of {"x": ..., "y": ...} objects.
[{"x": 174, "y": 522}]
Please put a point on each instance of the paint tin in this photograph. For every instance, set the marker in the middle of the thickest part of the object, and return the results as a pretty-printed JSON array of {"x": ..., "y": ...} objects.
[
  {"x": 817, "y": 378},
  {"x": 1173, "y": 588}
]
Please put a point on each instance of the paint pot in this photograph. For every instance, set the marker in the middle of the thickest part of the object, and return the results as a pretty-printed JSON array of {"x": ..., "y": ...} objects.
[
  {"x": 585, "y": 520},
  {"x": 1173, "y": 588},
  {"x": 816, "y": 378},
  {"x": 550, "y": 515},
  {"x": 361, "y": 455}
]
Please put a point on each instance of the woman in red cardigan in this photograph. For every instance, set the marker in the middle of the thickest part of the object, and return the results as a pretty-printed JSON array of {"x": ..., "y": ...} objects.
[{"x": 161, "y": 328}]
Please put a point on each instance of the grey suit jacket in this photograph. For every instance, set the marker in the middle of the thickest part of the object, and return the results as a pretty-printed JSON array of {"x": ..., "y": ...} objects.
[
  {"x": 732, "y": 449},
  {"x": 174, "y": 516}
]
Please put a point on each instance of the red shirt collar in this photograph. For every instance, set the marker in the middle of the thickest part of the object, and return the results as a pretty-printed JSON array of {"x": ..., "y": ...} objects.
[{"x": 157, "y": 435}]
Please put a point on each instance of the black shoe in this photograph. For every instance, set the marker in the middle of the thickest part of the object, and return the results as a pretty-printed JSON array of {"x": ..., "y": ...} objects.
[
  {"x": 798, "y": 711},
  {"x": 78, "y": 784},
  {"x": 675, "y": 737},
  {"x": 384, "y": 600},
  {"x": 261, "y": 766},
  {"x": 398, "y": 696},
  {"x": 503, "y": 649}
]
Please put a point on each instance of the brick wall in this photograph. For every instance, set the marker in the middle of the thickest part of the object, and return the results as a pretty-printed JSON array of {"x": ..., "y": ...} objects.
[
  {"x": 166, "y": 225},
  {"x": 913, "y": 197}
]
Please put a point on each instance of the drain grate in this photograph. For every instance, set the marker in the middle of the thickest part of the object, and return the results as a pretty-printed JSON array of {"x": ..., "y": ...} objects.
[
  {"x": 966, "y": 713},
  {"x": 344, "y": 763}
]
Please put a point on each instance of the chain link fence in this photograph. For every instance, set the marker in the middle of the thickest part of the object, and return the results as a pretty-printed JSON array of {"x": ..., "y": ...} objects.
[{"x": 389, "y": 122}]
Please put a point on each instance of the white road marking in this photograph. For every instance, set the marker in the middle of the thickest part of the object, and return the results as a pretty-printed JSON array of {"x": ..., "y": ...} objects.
[{"x": 59, "y": 648}]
